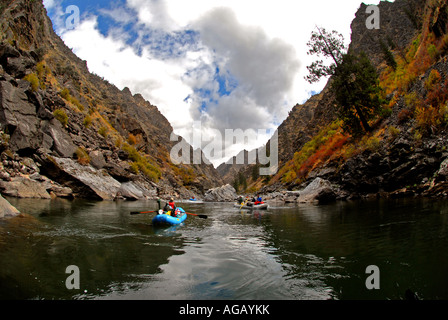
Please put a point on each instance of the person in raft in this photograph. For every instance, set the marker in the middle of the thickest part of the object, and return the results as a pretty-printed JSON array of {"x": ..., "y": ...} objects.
[
  {"x": 259, "y": 200},
  {"x": 170, "y": 208},
  {"x": 173, "y": 206}
]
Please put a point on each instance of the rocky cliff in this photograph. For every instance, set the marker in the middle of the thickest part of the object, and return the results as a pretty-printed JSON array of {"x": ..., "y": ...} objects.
[
  {"x": 405, "y": 155},
  {"x": 67, "y": 132}
]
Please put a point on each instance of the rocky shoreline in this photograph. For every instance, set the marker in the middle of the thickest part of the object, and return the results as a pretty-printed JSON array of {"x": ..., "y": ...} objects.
[{"x": 398, "y": 169}]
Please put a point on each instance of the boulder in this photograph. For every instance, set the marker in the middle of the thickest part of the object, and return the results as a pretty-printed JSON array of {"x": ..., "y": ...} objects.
[
  {"x": 6, "y": 209},
  {"x": 59, "y": 191},
  {"x": 17, "y": 66},
  {"x": 442, "y": 173},
  {"x": 319, "y": 190},
  {"x": 129, "y": 191},
  {"x": 23, "y": 187},
  {"x": 135, "y": 190},
  {"x": 62, "y": 142},
  {"x": 90, "y": 181},
  {"x": 221, "y": 194},
  {"x": 97, "y": 159},
  {"x": 20, "y": 117}
]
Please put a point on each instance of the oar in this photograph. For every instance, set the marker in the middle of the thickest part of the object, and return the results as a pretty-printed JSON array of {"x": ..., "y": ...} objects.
[
  {"x": 137, "y": 212},
  {"x": 198, "y": 215}
]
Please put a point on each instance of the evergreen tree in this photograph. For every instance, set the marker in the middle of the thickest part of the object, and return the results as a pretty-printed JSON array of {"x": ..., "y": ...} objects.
[
  {"x": 388, "y": 55},
  {"x": 356, "y": 87},
  {"x": 354, "y": 80},
  {"x": 330, "y": 45}
]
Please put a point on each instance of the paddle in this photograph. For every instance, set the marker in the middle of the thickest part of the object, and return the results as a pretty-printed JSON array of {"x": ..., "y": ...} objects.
[
  {"x": 137, "y": 212},
  {"x": 198, "y": 215}
]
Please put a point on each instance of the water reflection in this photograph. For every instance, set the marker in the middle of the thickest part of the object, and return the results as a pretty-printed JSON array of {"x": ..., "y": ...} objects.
[{"x": 290, "y": 252}]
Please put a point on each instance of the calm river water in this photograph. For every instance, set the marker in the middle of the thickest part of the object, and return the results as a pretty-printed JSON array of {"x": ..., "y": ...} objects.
[{"x": 297, "y": 252}]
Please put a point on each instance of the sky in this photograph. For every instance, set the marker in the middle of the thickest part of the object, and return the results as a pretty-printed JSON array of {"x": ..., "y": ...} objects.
[{"x": 208, "y": 65}]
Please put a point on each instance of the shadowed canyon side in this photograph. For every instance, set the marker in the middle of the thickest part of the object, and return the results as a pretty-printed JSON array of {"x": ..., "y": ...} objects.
[
  {"x": 66, "y": 132},
  {"x": 405, "y": 154}
]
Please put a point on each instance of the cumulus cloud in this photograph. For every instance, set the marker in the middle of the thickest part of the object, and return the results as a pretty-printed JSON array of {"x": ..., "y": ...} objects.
[
  {"x": 49, "y": 4},
  {"x": 153, "y": 13},
  {"x": 264, "y": 69}
]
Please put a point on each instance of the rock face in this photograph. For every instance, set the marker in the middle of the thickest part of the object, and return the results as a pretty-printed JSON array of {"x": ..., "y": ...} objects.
[
  {"x": 398, "y": 25},
  {"x": 67, "y": 132},
  {"x": 320, "y": 191},
  {"x": 6, "y": 209},
  {"x": 221, "y": 194},
  {"x": 229, "y": 170},
  {"x": 404, "y": 163},
  {"x": 22, "y": 187}
]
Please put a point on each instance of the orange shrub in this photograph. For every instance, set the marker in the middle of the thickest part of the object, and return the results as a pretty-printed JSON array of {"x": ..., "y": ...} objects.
[
  {"x": 132, "y": 140},
  {"x": 330, "y": 149}
]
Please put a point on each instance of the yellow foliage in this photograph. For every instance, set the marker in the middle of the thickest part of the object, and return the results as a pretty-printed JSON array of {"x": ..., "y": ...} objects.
[
  {"x": 82, "y": 156},
  {"x": 33, "y": 80},
  {"x": 433, "y": 79}
]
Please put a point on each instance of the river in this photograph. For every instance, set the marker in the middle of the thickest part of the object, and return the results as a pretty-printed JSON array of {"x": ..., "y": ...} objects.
[{"x": 297, "y": 252}]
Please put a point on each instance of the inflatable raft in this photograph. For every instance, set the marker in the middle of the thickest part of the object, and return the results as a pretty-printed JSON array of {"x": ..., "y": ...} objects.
[
  {"x": 165, "y": 218},
  {"x": 251, "y": 206}
]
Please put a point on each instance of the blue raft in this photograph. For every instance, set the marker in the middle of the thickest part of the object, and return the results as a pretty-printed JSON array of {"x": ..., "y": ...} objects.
[{"x": 166, "y": 219}]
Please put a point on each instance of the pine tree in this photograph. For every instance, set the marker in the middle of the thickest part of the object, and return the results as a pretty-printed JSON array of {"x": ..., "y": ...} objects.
[
  {"x": 354, "y": 80},
  {"x": 330, "y": 45},
  {"x": 357, "y": 91}
]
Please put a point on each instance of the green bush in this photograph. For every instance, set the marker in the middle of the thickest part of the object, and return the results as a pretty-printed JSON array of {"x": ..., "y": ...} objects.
[
  {"x": 33, "y": 80},
  {"x": 87, "y": 121},
  {"x": 82, "y": 156},
  {"x": 433, "y": 78},
  {"x": 103, "y": 131},
  {"x": 411, "y": 100},
  {"x": 60, "y": 115},
  {"x": 65, "y": 93},
  {"x": 433, "y": 52},
  {"x": 141, "y": 164},
  {"x": 394, "y": 131}
]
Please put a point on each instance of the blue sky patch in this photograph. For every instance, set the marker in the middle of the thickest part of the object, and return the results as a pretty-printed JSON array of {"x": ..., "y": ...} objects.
[{"x": 227, "y": 83}]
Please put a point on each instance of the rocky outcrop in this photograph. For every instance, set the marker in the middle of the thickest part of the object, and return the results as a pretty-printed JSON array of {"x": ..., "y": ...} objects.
[
  {"x": 221, "y": 194},
  {"x": 23, "y": 187},
  {"x": 6, "y": 209},
  {"x": 404, "y": 163},
  {"x": 399, "y": 23},
  {"x": 319, "y": 190}
]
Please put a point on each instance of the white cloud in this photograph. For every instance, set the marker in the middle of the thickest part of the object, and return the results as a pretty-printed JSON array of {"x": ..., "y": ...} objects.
[
  {"x": 153, "y": 13},
  {"x": 158, "y": 82},
  {"x": 119, "y": 14},
  {"x": 49, "y": 4},
  {"x": 264, "y": 67}
]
